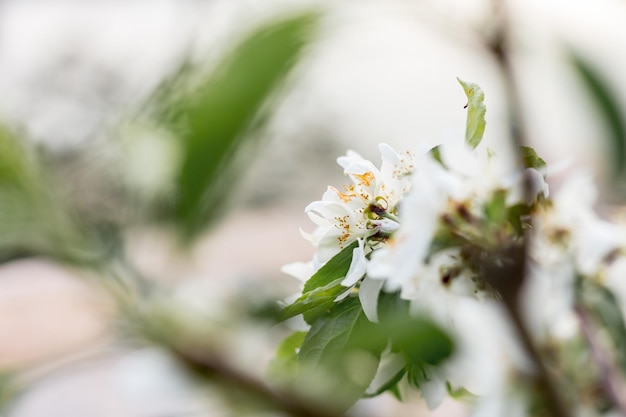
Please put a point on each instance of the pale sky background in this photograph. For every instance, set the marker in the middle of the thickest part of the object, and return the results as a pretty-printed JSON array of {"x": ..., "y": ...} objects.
[{"x": 381, "y": 71}]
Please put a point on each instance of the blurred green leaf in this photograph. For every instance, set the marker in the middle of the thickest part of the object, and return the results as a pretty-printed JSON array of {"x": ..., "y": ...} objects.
[
  {"x": 285, "y": 362},
  {"x": 344, "y": 344},
  {"x": 418, "y": 338},
  {"x": 531, "y": 159},
  {"x": 516, "y": 215},
  {"x": 495, "y": 209},
  {"x": 605, "y": 309},
  {"x": 8, "y": 390},
  {"x": 215, "y": 119},
  {"x": 459, "y": 393},
  {"x": 435, "y": 153},
  {"x": 32, "y": 219},
  {"x": 475, "y": 126},
  {"x": 608, "y": 107}
]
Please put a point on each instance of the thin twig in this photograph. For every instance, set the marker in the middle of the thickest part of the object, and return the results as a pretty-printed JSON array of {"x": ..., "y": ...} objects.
[
  {"x": 505, "y": 272},
  {"x": 219, "y": 369}
]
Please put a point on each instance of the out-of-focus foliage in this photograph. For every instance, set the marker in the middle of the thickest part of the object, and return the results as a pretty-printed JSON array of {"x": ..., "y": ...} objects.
[
  {"x": 214, "y": 120},
  {"x": 200, "y": 122},
  {"x": 609, "y": 110},
  {"x": 33, "y": 219}
]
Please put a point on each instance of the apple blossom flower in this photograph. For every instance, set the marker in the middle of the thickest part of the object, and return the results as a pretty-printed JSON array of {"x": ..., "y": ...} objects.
[{"x": 365, "y": 208}]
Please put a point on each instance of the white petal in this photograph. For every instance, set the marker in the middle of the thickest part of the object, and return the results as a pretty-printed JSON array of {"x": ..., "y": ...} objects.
[
  {"x": 434, "y": 390},
  {"x": 299, "y": 270},
  {"x": 368, "y": 294},
  {"x": 385, "y": 225},
  {"x": 357, "y": 266},
  {"x": 390, "y": 365}
]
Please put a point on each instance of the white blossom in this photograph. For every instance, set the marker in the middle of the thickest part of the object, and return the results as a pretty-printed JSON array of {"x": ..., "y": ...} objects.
[{"x": 363, "y": 208}]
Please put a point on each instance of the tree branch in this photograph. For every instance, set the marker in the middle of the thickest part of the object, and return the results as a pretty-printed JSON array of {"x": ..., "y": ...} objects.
[
  {"x": 509, "y": 279},
  {"x": 218, "y": 368}
]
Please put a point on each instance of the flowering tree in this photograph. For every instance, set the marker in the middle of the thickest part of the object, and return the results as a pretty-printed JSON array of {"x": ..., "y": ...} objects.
[
  {"x": 445, "y": 270},
  {"x": 449, "y": 272}
]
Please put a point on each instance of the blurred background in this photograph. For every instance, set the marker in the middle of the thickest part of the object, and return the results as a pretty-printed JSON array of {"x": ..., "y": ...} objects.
[{"x": 83, "y": 85}]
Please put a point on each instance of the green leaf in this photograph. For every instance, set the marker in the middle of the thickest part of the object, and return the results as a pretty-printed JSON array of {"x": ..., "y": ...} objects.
[
  {"x": 605, "y": 309},
  {"x": 314, "y": 303},
  {"x": 608, "y": 106},
  {"x": 459, "y": 393},
  {"x": 475, "y": 126},
  {"x": 532, "y": 160},
  {"x": 515, "y": 217},
  {"x": 336, "y": 267},
  {"x": 343, "y": 344},
  {"x": 320, "y": 291},
  {"x": 285, "y": 362},
  {"x": 215, "y": 119},
  {"x": 495, "y": 209},
  {"x": 32, "y": 219},
  {"x": 416, "y": 374},
  {"x": 435, "y": 153},
  {"x": 423, "y": 341},
  {"x": 418, "y": 338}
]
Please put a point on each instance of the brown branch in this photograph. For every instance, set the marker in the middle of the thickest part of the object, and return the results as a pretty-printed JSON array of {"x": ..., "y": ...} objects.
[
  {"x": 509, "y": 279},
  {"x": 218, "y": 368},
  {"x": 505, "y": 271}
]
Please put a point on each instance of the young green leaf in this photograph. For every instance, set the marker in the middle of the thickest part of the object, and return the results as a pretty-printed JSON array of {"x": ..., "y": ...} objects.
[
  {"x": 532, "y": 160},
  {"x": 336, "y": 267},
  {"x": 475, "y": 126},
  {"x": 495, "y": 209},
  {"x": 435, "y": 153},
  {"x": 314, "y": 303},
  {"x": 215, "y": 119},
  {"x": 322, "y": 288}
]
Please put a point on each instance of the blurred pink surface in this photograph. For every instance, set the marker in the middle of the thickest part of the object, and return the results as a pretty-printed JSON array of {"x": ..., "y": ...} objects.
[{"x": 46, "y": 312}]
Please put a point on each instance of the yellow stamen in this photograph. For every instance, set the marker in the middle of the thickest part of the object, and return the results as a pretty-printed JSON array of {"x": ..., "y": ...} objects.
[
  {"x": 344, "y": 197},
  {"x": 366, "y": 178}
]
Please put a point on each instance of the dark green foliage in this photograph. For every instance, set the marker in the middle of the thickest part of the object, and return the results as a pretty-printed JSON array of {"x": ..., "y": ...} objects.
[
  {"x": 420, "y": 340},
  {"x": 608, "y": 107},
  {"x": 346, "y": 346},
  {"x": 216, "y": 118}
]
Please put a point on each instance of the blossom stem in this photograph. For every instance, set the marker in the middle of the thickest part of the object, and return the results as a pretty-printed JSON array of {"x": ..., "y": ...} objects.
[
  {"x": 499, "y": 47},
  {"x": 390, "y": 216}
]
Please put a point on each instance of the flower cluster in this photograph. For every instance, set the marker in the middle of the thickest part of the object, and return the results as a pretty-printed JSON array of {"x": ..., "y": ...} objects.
[{"x": 433, "y": 234}]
